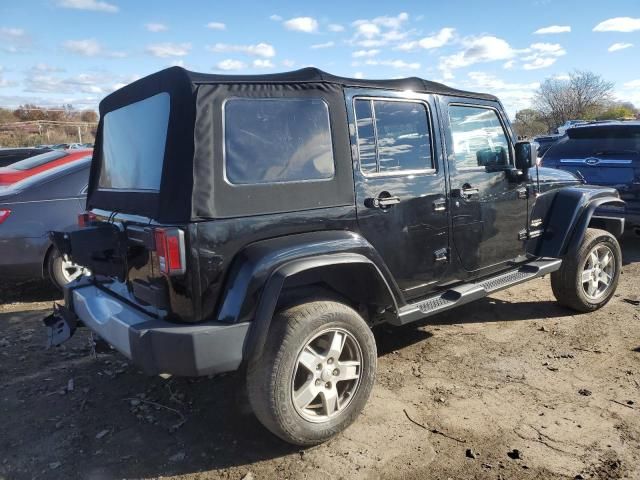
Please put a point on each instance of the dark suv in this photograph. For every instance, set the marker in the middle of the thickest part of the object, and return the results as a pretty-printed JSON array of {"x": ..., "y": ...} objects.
[
  {"x": 604, "y": 154},
  {"x": 267, "y": 223}
]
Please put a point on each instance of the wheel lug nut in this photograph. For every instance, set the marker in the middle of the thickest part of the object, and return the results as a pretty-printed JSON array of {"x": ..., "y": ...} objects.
[
  {"x": 336, "y": 372},
  {"x": 327, "y": 385},
  {"x": 318, "y": 382},
  {"x": 330, "y": 361},
  {"x": 319, "y": 366}
]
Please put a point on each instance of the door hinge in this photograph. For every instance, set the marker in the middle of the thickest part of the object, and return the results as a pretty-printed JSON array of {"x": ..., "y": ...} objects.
[
  {"x": 529, "y": 234},
  {"x": 523, "y": 193},
  {"x": 441, "y": 255}
]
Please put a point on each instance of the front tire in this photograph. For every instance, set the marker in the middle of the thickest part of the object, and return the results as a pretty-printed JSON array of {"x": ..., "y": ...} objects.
[
  {"x": 587, "y": 281},
  {"x": 315, "y": 374}
]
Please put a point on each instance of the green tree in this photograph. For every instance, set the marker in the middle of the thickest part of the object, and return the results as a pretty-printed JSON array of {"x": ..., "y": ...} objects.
[{"x": 529, "y": 123}]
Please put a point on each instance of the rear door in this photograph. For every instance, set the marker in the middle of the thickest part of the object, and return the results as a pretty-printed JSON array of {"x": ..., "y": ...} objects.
[
  {"x": 400, "y": 184},
  {"x": 488, "y": 203}
]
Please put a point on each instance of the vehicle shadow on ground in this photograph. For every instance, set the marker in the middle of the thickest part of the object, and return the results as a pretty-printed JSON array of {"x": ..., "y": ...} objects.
[
  {"x": 29, "y": 291},
  {"x": 630, "y": 244}
]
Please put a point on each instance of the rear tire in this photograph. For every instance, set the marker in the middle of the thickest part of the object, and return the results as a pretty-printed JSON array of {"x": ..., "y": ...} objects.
[
  {"x": 315, "y": 374},
  {"x": 61, "y": 272},
  {"x": 588, "y": 280}
]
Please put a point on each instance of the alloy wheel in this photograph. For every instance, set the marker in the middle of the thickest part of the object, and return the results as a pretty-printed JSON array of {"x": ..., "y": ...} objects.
[{"x": 327, "y": 375}]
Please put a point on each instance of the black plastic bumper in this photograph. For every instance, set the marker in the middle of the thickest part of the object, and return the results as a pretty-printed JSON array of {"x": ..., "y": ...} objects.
[{"x": 157, "y": 346}]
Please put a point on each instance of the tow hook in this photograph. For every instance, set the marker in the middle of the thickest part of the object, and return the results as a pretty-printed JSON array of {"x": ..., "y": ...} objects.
[{"x": 61, "y": 325}]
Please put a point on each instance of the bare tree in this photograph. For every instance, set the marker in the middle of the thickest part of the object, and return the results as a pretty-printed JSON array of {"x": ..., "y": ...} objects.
[{"x": 580, "y": 96}]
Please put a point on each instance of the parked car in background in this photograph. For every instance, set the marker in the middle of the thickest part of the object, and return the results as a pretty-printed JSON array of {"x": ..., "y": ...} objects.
[
  {"x": 29, "y": 209},
  {"x": 45, "y": 161},
  {"x": 603, "y": 154},
  {"x": 562, "y": 129},
  {"x": 544, "y": 142},
  {"x": 13, "y": 155},
  {"x": 61, "y": 146}
]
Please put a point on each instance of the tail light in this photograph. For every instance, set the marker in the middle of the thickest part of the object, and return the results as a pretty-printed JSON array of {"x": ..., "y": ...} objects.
[
  {"x": 86, "y": 218},
  {"x": 4, "y": 214},
  {"x": 170, "y": 250}
]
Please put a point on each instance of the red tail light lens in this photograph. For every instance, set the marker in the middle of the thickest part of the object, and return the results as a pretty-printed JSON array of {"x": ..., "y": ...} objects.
[
  {"x": 86, "y": 218},
  {"x": 170, "y": 250},
  {"x": 4, "y": 214}
]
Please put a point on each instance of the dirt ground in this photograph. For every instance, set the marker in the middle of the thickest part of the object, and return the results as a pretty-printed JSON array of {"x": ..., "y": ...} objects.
[{"x": 524, "y": 386}]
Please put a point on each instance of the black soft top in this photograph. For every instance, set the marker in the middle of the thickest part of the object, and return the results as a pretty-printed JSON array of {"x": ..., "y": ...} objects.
[
  {"x": 179, "y": 75},
  {"x": 192, "y": 185}
]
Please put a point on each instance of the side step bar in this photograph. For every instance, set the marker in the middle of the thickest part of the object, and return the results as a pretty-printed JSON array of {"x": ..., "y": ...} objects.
[{"x": 468, "y": 292}]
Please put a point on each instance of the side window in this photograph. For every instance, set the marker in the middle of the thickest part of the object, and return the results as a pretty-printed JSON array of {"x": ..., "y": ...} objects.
[
  {"x": 393, "y": 136},
  {"x": 276, "y": 140},
  {"x": 479, "y": 140}
]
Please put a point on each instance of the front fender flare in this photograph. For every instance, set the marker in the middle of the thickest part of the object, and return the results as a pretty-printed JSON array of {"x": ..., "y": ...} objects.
[{"x": 569, "y": 217}]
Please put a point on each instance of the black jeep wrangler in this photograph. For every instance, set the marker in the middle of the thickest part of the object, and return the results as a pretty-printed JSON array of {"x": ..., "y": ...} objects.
[{"x": 266, "y": 223}]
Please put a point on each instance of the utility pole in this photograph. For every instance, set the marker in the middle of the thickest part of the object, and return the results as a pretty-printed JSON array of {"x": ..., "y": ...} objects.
[{"x": 79, "y": 134}]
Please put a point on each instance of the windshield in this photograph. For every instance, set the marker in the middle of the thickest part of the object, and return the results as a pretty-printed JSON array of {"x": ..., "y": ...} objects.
[
  {"x": 133, "y": 145},
  {"x": 38, "y": 160}
]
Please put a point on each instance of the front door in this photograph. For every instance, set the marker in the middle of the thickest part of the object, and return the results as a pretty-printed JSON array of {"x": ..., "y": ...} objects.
[
  {"x": 400, "y": 184},
  {"x": 488, "y": 199}
]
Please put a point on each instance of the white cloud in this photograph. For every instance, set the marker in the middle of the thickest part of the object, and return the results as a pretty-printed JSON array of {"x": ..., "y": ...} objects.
[
  {"x": 156, "y": 27},
  {"x": 166, "y": 49},
  {"x": 258, "y": 50},
  {"x": 88, "y": 47},
  {"x": 619, "y": 46},
  {"x": 476, "y": 50},
  {"x": 335, "y": 27},
  {"x": 553, "y": 29},
  {"x": 93, "y": 5},
  {"x": 515, "y": 96},
  {"x": 438, "y": 40},
  {"x": 14, "y": 40},
  {"x": 632, "y": 84},
  {"x": 323, "y": 45},
  {"x": 262, "y": 63},
  {"x": 380, "y": 31},
  {"x": 365, "y": 53},
  {"x": 288, "y": 63},
  {"x": 45, "y": 68},
  {"x": 302, "y": 24},
  {"x": 397, "y": 64},
  {"x": 542, "y": 55},
  {"x": 358, "y": 75},
  {"x": 230, "y": 64},
  {"x": 618, "y": 24},
  {"x": 275, "y": 18},
  {"x": 216, "y": 26}
]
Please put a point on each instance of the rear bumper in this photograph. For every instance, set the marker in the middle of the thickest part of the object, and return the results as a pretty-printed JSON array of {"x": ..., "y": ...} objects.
[{"x": 158, "y": 346}]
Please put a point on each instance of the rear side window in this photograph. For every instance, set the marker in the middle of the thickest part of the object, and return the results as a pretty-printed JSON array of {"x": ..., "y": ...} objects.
[
  {"x": 133, "y": 145},
  {"x": 38, "y": 160},
  {"x": 393, "y": 136},
  {"x": 277, "y": 140},
  {"x": 479, "y": 140},
  {"x": 607, "y": 143}
]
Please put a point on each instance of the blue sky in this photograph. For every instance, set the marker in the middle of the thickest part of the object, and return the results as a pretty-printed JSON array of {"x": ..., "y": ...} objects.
[{"x": 77, "y": 51}]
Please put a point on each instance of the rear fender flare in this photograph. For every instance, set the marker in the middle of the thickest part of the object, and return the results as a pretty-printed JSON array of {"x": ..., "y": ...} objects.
[
  {"x": 274, "y": 287},
  {"x": 259, "y": 272}
]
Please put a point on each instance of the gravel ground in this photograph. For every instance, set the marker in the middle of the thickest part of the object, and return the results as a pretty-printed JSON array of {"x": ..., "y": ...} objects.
[{"x": 511, "y": 387}]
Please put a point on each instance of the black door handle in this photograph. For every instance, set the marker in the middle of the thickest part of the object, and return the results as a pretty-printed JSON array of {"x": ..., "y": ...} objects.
[
  {"x": 465, "y": 192},
  {"x": 382, "y": 201}
]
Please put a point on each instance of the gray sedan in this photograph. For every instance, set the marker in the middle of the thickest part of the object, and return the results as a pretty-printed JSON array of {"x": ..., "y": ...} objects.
[{"x": 30, "y": 209}]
